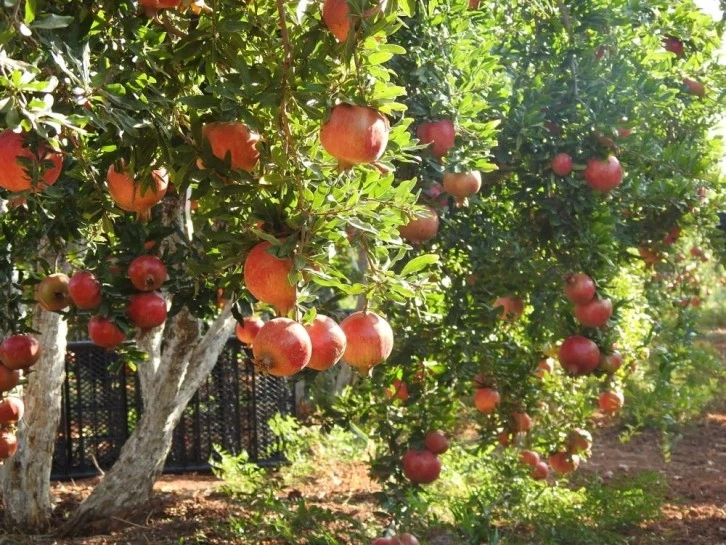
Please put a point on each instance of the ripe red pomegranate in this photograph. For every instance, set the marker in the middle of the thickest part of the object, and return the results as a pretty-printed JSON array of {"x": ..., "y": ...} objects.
[
  {"x": 328, "y": 342},
  {"x": 579, "y": 288},
  {"x": 20, "y": 352},
  {"x": 133, "y": 196},
  {"x": 512, "y": 307},
  {"x": 147, "y": 273},
  {"x": 694, "y": 87},
  {"x": 422, "y": 228},
  {"x": 370, "y": 340},
  {"x": 578, "y": 441},
  {"x": 540, "y": 471},
  {"x": 522, "y": 422},
  {"x": 397, "y": 390},
  {"x": 611, "y": 362},
  {"x": 150, "y": 7},
  {"x": 248, "y": 329},
  {"x": 563, "y": 462},
  {"x": 282, "y": 347},
  {"x": 529, "y": 457},
  {"x": 233, "y": 138},
  {"x": 436, "y": 442},
  {"x": 440, "y": 134},
  {"x": 9, "y": 378},
  {"x": 421, "y": 466},
  {"x": 146, "y": 310},
  {"x": 14, "y": 175},
  {"x": 595, "y": 313},
  {"x": 579, "y": 355},
  {"x": 385, "y": 541},
  {"x": 603, "y": 175},
  {"x": 674, "y": 45},
  {"x": 11, "y": 410},
  {"x": 8, "y": 444},
  {"x": 85, "y": 290},
  {"x": 355, "y": 135},
  {"x": 103, "y": 332},
  {"x": 52, "y": 292},
  {"x": 265, "y": 276},
  {"x": 462, "y": 185},
  {"x": 338, "y": 19},
  {"x": 611, "y": 402},
  {"x": 562, "y": 164},
  {"x": 486, "y": 399}
]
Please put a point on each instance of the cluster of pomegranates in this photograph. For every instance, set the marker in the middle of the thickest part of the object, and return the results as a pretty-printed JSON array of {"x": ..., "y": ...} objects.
[
  {"x": 18, "y": 353},
  {"x": 602, "y": 175},
  {"x": 422, "y": 466}
]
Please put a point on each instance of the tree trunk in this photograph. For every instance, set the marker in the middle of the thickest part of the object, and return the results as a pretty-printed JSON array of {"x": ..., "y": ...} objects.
[
  {"x": 26, "y": 476},
  {"x": 169, "y": 379}
]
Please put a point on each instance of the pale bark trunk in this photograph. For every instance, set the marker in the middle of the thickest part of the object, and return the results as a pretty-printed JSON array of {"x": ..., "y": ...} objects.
[
  {"x": 26, "y": 476},
  {"x": 169, "y": 381}
]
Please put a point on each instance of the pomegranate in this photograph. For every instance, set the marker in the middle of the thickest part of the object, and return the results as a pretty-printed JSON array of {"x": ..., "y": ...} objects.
[
  {"x": 103, "y": 332},
  {"x": 462, "y": 185},
  {"x": 233, "y": 138},
  {"x": 133, "y": 196},
  {"x": 540, "y": 471},
  {"x": 328, "y": 341},
  {"x": 152, "y": 6},
  {"x": 422, "y": 228},
  {"x": 579, "y": 355},
  {"x": 562, "y": 164},
  {"x": 578, "y": 441},
  {"x": 147, "y": 273},
  {"x": 14, "y": 175},
  {"x": 594, "y": 314},
  {"x": 265, "y": 276},
  {"x": 282, "y": 347},
  {"x": 8, "y": 444},
  {"x": 579, "y": 288},
  {"x": 337, "y": 17},
  {"x": 522, "y": 422},
  {"x": 146, "y": 310},
  {"x": 436, "y": 442},
  {"x": 248, "y": 329},
  {"x": 674, "y": 45},
  {"x": 512, "y": 307},
  {"x": 385, "y": 541},
  {"x": 20, "y": 352},
  {"x": 603, "y": 175},
  {"x": 370, "y": 340},
  {"x": 11, "y": 410},
  {"x": 52, "y": 292},
  {"x": 694, "y": 87},
  {"x": 486, "y": 400},
  {"x": 440, "y": 134},
  {"x": 355, "y": 135},
  {"x": 421, "y": 466},
  {"x": 408, "y": 539},
  {"x": 611, "y": 362},
  {"x": 397, "y": 390},
  {"x": 85, "y": 290},
  {"x": 529, "y": 457},
  {"x": 610, "y": 402},
  {"x": 9, "y": 378},
  {"x": 563, "y": 462}
]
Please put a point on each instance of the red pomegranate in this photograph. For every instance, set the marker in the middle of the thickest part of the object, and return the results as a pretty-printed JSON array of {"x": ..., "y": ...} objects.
[
  {"x": 370, "y": 340},
  {"x": 522, "y": 422},
  {"x": 611, "y": 402},
  {"x": 103, "y": 332},
  {"x": 540, "y": 471},
  {"x": 441, "y": 134},
  {"x": 265, "y": 276},
  {"x": 603, "y": 174},
  {"x": 397, "y": 390},
  {"x": 462, "y": 185},
  {"x": 694, "y": 87},
  {"x": 52, "y": 292},
  {"x": 11, "y": 410},
  {"x": 133, "y": 196},
  {"x": 146, "y": 310},
  {"x": 512, "y": 307},
  {"x": 529, "y": 457},
  {"x": 486, "y": 400},
  {"x": 563, "y": 462},
  {"x": 248, "y": 329},
  {"x": 579, "y": 288},
  {"x": 20, "y": 352},
  {"x": 14, "y": 175},
  {"x": 8, "y": 444},
  {"x": 328, "y": 341},
  {"x": 233, "y": 138},
  {"x": 562, "y": 164},
  {"x": 611, "y": 362},
  {"x": 421, "y": 466},
  {"x": 674, "y": 45},
  {"x": 85, "y": 290},
  {"x": 282, "y": 347},
  {"x": 436, "y": 442},
  {"x": 338, "y": 19},
  {"x": 147, "y": 273},
  {"x": 579, "y": 355},
  {"x": 578, "y": 441},
  {"x": 355, "y": 135},
  {"x": 422, "y": 228},
  {"x": 595, "y": 313},
  {"x": 9, "y": 378}
]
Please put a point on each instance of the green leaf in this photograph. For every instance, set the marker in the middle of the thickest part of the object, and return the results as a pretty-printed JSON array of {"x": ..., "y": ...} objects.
[
  {"x": 419, "y": 263},
  {"x": 51, "y": 21},
  {"x": 29, "y": 16}
]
